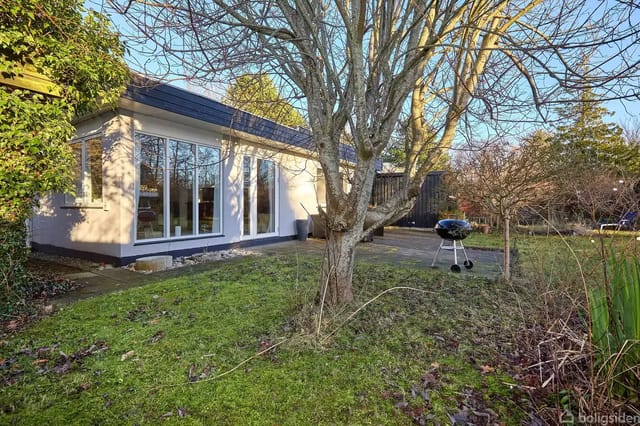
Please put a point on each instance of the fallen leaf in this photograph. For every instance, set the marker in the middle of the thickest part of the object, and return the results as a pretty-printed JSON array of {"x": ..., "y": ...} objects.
[
  {"x": 205, "y": 372},
  {"x": 486, "y": 369},
  {"x": 429, "y": 379},
  {"x": 530, "y": 380},
  {"x": 461, "y": 418},
  {"x": 127, "y": 355},
  {"x": 84, "y": 386},
  {"x": 192, "y": 373},
  {"x": 265, "y": 345},
  {"x": 491, "y": 412},
  {"x": 64, "y": 368},
  {"x": 40, "y": 361},
  {"x": 156, "y": 337},
  {"x": 42, "y": 352}
]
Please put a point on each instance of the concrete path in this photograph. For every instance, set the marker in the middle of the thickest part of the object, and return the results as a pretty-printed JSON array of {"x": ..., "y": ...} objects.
[{"x": 410, "y": 248}]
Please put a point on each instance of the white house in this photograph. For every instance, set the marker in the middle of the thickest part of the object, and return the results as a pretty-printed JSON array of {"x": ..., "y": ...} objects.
[{"x": 173, "y": 172}]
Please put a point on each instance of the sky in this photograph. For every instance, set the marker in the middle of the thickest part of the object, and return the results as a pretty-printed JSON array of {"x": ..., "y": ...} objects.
[{"x": 625, "y": 113}]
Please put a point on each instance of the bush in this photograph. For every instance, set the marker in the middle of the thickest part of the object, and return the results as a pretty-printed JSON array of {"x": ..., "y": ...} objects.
[
  {"x": 615, "y": 321},
  {"x": 13, "y": 257},
  {"x": 22, "y": 292}
]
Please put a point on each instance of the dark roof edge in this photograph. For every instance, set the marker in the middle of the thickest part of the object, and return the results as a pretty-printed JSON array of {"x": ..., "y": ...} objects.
[{"x": 164, "y": 96}]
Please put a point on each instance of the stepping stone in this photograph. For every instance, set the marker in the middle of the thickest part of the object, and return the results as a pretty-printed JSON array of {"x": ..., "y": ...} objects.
[{"x": 153, "y": 263}]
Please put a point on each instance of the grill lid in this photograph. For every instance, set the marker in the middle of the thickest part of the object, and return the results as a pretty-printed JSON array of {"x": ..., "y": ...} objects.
[{"x": 453, "y": 229}]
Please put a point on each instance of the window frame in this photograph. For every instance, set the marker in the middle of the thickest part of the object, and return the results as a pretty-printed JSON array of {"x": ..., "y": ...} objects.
[
  {"x": 253, "y": 197},
  {"x": 166, "y": 208},
  {"x": 86, "y": 184}
]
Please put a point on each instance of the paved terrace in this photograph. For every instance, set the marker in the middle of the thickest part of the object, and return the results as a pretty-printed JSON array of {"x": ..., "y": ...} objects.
[{"x": 411, "y": 248}]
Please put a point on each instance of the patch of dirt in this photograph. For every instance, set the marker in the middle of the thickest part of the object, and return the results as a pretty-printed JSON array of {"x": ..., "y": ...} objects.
[
  {"x": 41, "y": 267},
  {"x": 46, "y": 263},
  {"x": 47, "y": 280}
]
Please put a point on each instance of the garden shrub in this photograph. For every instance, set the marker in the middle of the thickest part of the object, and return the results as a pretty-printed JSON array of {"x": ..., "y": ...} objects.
[
  {"x": 13, "y": 256},
  {"x": 615, "y": 320}
]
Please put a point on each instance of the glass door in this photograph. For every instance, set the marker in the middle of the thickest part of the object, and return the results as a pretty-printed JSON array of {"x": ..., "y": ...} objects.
[{"x": 259, "y": 196}]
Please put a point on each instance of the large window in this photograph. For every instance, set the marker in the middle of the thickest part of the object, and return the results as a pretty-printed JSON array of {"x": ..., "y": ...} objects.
[
  {"x": 88, "y": 172},
  {"x": 208, "y": 189},
  {"x": 189, "y": 203},
  {"x": 182, "y": 168},
  {"x": 151, "y": 160}
]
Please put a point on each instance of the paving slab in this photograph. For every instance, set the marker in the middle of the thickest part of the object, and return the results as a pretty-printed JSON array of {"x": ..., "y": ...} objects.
[
  {"x": 105, "y": 281},
  {"x": 418, "y": 248}
]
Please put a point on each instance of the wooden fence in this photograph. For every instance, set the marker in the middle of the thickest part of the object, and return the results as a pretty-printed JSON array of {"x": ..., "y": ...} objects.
[{"x": 431, "y": 200}]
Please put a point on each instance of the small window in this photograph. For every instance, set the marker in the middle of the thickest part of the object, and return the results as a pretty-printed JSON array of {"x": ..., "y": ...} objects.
[{"x": 87, "y": 173}]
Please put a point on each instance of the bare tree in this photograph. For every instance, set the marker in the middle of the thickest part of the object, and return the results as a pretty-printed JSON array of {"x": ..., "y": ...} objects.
[
  {"x": 503, "y": 179},
  {"x": 597, "y": 163},
  {"x": 363, "y": 66},
  {"x": 631, "y": 131},
  {"x": 596, "y": 195}
]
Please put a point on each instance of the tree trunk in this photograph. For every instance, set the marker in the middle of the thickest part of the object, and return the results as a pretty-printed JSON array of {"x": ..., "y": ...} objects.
[
  {"x": 337, "y": 267},
  {"x": 506, "y": 257}
]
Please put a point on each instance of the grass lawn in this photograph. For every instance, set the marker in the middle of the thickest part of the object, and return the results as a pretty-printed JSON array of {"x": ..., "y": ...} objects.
[
  {"x": 556, "y": 258},
  {"x": 185, "y": 351}
]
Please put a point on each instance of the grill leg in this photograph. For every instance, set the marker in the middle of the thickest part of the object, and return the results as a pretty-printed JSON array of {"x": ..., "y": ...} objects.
[
  {"x": 464, "y": 251},
  {"x": 435, "y": 258},
  {"x": 455, "y": 253}
]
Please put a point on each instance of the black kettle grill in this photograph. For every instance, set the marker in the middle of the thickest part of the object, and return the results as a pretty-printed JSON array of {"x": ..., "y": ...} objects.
[{"x": 453, "y": 230}]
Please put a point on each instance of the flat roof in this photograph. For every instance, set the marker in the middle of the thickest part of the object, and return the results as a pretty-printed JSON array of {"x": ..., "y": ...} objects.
[{"x": 180, "y": 101}]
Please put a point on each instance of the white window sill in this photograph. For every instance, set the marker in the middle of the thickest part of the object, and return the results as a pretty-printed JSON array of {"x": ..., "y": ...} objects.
[
  {"x": 82, "y": 206},
  {"x": 176, "y": 239}
]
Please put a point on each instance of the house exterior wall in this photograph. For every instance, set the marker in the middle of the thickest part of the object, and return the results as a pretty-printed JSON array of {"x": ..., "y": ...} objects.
[
  {"x": 99, "y": 229},
  {"x": 108, "y": 231}
]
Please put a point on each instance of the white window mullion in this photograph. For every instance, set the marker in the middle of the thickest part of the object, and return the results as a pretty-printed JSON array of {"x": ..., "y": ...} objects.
[
  {"x": 166, "y": 190},
  {"x": 136, "y": 163},
  {"x": 137, "y": 160},
  {"x": 276, "y": 197},
  {"x": 246, "y": 194},
  {"x": 195, "y": 214},
  {"x": 254, "y": 196}
]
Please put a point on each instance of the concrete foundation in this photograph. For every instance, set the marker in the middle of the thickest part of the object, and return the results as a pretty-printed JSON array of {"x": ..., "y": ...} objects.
[{"x": 153, "y": 263}]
